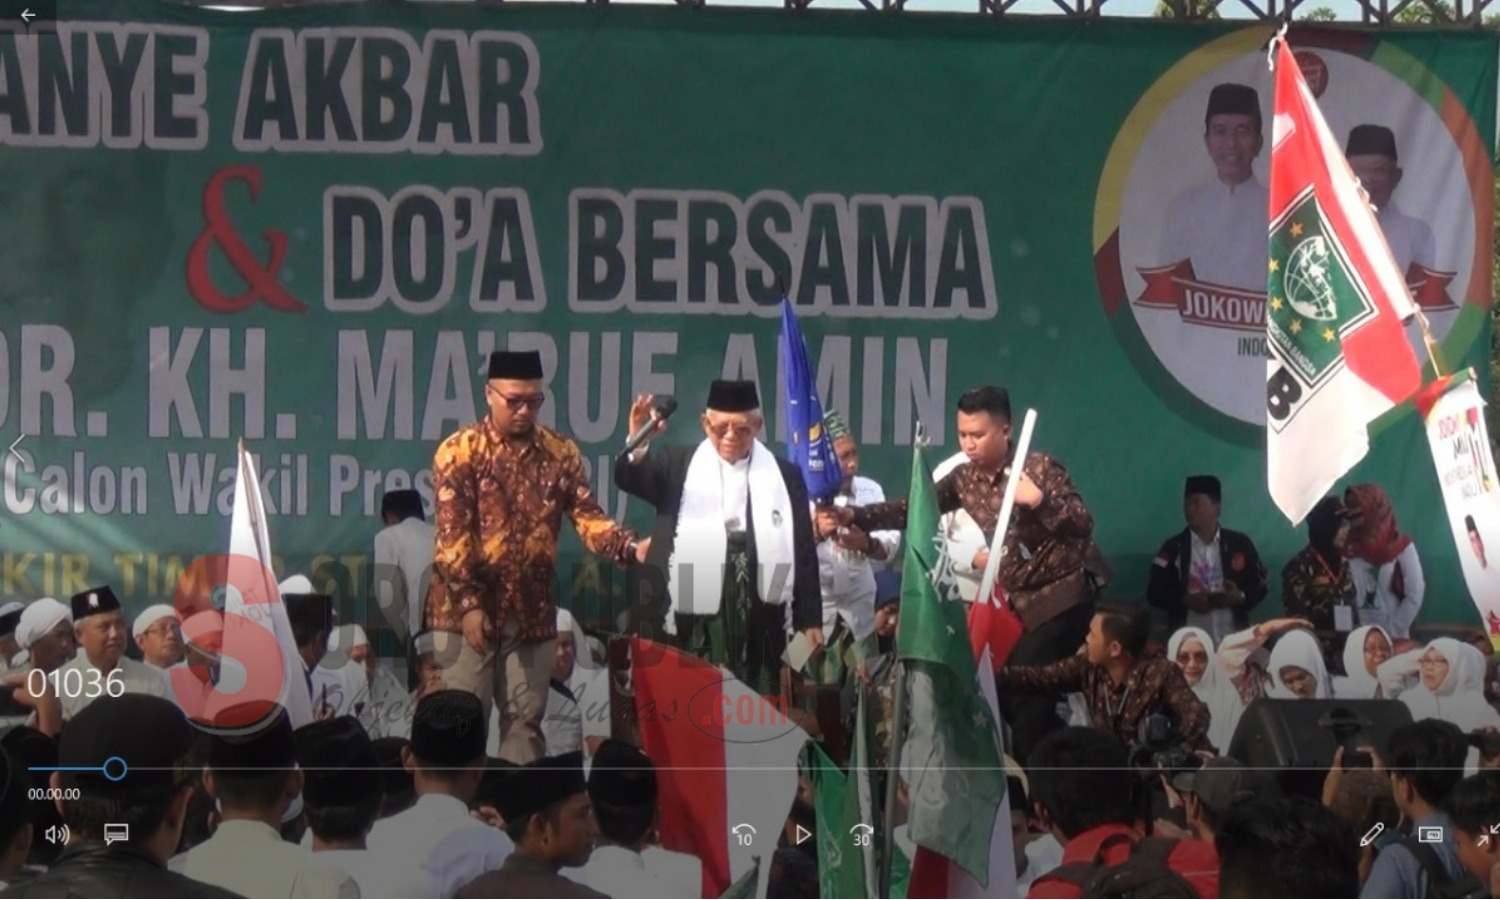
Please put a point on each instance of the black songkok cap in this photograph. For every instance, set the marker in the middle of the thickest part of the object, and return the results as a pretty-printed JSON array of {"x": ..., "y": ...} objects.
[
  {"x": 448, "y": 729},
  {"x": 150, "y": 736},
  {"x": 1207, "y": 485},
  {"x": 733, "y": 396},
  {"x": 1233, "y": 100},
  {"x": 1375, "y": 140},
  {"x": 93, "y": 601},
  {"x": 406, "y": 504},
  {"x": 622, "y": 776},
  {"x": 267, "y": 746},
  {"x": 534, "y": 787},
  {"x": 524, "y": 365},
  {"x": 338, "y": 762}
]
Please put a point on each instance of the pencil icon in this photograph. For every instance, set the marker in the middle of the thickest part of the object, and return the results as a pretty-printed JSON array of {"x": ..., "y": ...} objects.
[{"x": 1372, "y": 834}]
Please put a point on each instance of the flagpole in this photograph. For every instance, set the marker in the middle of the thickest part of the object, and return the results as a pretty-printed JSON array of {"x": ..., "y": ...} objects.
[
  {"x": 1433, "y": 351},
  {"x": 1007, "y": 507},
  {"x": 898, "y": 738},
  {"x": 893, "y": 774}
]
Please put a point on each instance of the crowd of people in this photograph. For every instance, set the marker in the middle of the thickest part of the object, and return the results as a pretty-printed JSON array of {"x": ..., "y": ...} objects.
[{"x": 492, "y": 761}]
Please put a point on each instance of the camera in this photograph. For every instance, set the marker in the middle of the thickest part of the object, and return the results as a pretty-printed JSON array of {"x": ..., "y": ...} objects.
[{"x": 1159, "y": 747}]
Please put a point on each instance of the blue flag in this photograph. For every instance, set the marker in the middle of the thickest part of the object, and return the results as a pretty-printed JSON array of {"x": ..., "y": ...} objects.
[{"x": 808, "y": 444}]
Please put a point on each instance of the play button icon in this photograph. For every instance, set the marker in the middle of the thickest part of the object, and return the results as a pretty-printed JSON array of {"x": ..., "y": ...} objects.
[{"x": 802, "y": 834}]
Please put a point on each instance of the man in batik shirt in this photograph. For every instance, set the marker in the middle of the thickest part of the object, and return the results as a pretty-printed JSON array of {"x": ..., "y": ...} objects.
[{"x": 501, "y": 487}]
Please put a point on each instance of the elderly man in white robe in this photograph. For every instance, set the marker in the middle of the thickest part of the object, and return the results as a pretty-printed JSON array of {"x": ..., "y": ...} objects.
[
  {"x": 359, "y": 686},
  {"x": 102, "y": 666},
  {"x": 158, "y": 636},
  {"x": 848, "y": 558}
]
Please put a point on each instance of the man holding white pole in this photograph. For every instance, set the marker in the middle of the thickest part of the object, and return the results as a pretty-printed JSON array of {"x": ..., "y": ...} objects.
[{"x": 1046, "y": 542}]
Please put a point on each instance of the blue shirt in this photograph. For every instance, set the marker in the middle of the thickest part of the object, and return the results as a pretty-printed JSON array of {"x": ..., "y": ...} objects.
[{"x": 1398, "y": 873}]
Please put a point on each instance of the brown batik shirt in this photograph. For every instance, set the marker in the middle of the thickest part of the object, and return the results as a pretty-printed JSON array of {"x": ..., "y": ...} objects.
[
  {"x": 499, "y": 505},
  {"x": 1152, "y": 686},
  {"x": 1042, "y": 571}
]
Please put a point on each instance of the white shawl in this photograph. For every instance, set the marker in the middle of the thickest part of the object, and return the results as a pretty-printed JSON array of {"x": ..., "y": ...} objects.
[{"x": 695, "y": 573}]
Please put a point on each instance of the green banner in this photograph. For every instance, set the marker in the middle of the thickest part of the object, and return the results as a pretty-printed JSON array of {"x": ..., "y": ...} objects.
[{"x": 309, "y": 227}]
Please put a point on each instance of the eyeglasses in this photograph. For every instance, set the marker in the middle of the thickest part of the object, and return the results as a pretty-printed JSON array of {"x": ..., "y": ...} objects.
[
  {"x": 1432, "y": 661},
  {"x": 162, "y": 630},
  {"x": 516, "y": 404},
  {"x": 723, "y": 429}
]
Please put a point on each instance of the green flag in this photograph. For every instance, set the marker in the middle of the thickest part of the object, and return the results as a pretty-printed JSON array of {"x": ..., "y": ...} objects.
[
  {"x": 830, "y": 790},
  {"x": 746, "y": 885},
  {"x": 951, "y": 758}
]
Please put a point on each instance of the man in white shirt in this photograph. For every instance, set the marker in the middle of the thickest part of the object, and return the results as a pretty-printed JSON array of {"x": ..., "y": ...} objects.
[
  {"x": 1371, "y": 151},
  {"x": 562, "y": 724},
  {"x": 342, "y": 794},
  {"x": 403, "y": 561},
  {"x": 99, "y": 626},
  {"x": 437, "y": 844},
  {"x": 623, "y": 788},
  {"x": 157, "y": 635},
  {"x": 848, "y": 558},
  {"x": 45, "y": 636},
  {"x": 254, "y": 777},
  {"x": 358, "y": 686},
  {"x": 1220, "y": 226},
  {"x": 310, "y": 615}
]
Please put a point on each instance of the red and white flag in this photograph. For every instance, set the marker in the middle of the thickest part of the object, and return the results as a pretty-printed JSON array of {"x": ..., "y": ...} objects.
[
  {"x": 1334, "y": 306},
  {"x": 726, "y": 760}
]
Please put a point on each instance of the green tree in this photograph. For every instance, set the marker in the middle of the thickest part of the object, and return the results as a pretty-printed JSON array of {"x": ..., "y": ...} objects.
[
  {"x": 1187, "y": 9},
  {"x": 1318, "y": 14}
]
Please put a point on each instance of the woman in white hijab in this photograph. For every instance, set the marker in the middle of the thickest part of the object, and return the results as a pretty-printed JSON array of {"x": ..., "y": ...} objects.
[
  {"x": 1193, "y": 651},
  {"x": 1297, "y": 668},
  {"x": 1449, "y": 684},
  {"x": 1364, "y": 650}
]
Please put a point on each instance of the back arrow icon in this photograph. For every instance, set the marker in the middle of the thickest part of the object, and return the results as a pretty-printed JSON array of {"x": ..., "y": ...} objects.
[
  {"x": 27, "y": 16},
  {"x": 13, "y": 444}
]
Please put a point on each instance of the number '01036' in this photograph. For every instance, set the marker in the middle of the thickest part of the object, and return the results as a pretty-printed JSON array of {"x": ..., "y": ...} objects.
[{"x": 75, "y": 683}]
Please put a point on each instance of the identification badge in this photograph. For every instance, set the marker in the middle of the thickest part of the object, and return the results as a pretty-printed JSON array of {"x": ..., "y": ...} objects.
[{"x": 1343, "y": 617}]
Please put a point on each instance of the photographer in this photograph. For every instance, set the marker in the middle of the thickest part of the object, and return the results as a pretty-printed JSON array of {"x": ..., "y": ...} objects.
[{"x": 1119, "y": 686}]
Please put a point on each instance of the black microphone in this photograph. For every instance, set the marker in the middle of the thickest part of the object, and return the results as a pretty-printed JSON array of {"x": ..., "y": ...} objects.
[{"x": 661, "y": 411}]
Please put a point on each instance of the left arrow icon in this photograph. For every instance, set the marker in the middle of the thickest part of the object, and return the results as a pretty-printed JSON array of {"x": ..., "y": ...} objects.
[
  {"x": 27, "y": 15},
  {"x": 13, "y": 446}
]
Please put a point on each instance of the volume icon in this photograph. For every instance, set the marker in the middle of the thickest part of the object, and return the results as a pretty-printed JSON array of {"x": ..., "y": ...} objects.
[{"x": 56, "y": 834}]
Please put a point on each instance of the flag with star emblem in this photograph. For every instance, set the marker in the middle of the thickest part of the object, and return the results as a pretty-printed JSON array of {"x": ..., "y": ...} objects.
[
  {"x": 951, "y": 758},
  {"x": 1334, "y": 308}
]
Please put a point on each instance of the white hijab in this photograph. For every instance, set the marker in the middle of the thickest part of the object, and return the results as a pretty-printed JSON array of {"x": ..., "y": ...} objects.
[
  {"x": 1298, "y": 648},
  {"x": 1460, "y": 698},
  {"x": 1358, "y": 683},
  {"x": 1219, "y": 694}
]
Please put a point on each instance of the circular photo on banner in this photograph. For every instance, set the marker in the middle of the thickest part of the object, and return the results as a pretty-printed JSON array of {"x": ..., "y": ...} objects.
[{"x": 1180, "y": 225}]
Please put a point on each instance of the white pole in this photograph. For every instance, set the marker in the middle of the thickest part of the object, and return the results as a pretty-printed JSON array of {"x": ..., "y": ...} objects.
[{"x": 1007, "y": 506}]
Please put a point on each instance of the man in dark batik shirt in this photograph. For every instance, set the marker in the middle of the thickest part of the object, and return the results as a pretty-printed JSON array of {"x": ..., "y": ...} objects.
[
  {"x": 1042, "y": 572},
  {"x": 501, "y": 488},
  {"x": 1119, "y": 686}
]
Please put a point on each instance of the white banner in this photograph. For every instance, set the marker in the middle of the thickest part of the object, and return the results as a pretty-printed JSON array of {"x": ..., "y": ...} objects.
[{"x": 1471, "y": 491}]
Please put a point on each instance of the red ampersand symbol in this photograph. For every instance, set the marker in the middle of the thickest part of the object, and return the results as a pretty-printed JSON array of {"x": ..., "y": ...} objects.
[{"x": 219, "y": 230}]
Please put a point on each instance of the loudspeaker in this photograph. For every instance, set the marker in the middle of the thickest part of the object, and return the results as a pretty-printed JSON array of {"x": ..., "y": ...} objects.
[{"x": 1299, "y": 737}]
